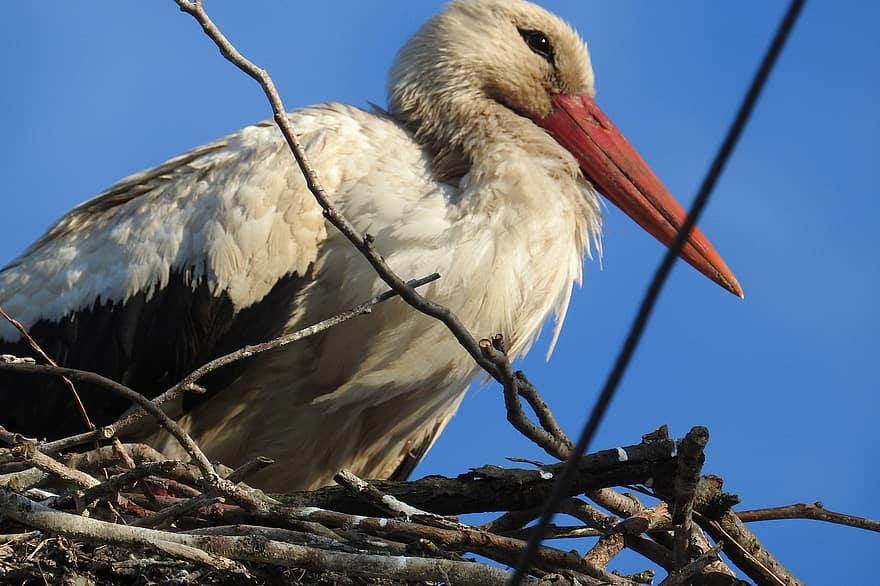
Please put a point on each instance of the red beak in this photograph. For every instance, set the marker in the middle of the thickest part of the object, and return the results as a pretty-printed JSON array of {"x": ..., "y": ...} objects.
[{"x": 616, "y": 169}]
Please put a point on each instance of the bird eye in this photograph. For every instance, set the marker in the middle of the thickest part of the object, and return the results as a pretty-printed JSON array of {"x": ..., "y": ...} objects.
[{"x": 539, "y": 43}]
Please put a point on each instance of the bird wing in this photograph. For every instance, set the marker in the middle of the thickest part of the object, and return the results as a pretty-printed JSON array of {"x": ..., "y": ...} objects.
[{"x": 165, "y": 270}]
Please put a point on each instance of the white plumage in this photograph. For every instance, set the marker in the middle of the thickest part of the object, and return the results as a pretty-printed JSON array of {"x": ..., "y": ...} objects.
[{"x": 457, "y": 179}]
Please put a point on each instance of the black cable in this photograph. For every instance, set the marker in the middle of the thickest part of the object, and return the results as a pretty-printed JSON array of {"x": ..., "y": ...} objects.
[{"x": 653, "y": 292}]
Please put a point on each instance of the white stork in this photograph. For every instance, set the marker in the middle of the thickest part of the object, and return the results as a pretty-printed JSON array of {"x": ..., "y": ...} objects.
[{"x": 485, "y": 168}]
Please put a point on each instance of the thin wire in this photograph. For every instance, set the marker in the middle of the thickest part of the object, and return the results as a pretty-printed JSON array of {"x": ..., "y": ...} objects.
[{"x": 653, "y": 292}]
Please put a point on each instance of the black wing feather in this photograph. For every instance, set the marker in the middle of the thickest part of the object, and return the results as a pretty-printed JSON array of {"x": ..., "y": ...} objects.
[{"x": 148, "y": 343}]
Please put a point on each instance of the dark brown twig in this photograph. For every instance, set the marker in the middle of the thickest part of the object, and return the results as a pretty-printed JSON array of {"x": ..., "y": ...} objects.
[{"x": 555, "y": 446}]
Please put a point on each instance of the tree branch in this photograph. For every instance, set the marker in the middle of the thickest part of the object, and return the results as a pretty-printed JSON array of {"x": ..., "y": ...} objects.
[{"x": 815, "y": 511}]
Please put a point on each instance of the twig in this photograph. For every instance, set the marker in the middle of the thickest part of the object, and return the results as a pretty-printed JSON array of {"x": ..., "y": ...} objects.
[
  {"x": 106, "y": 456},
  {"x": 248, "y": 351},
  {"x": 116, "y": 483},
  {"x": 684, "y": 575},
  {"x": 388, "y": 503},
  {"x": 205, "y": 499},
  {"x": 174, "y": 512},
  {"x": 608, "y": 546},
  {"x": 557, "y": 447},
  {"x": 502, "y": 489},
  {"x": 746, "y": 551},
  {"x": 498, "y": 547},
  {"x": 36, "y": 347},
  {"x": 28, "y": 452},
  {"x": 363, "y": 243},
  {"x": 119, "y": 449},
  {"x": 548, "y": 421},
  {"x": 218, "y": 551},
  {"x": 188, "y": 384},
  {"x": 511, "y": 521},
  {"x": 558, "y": 532},
  {"x": 613, "y": 542},
  {"x": 815, "y": 511},
  {"x": 252, "y": 466},
  {"x": 99, "y": 381}
]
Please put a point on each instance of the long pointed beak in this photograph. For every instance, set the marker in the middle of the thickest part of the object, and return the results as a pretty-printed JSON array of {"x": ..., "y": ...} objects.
[{"x": 621, "y": 175}]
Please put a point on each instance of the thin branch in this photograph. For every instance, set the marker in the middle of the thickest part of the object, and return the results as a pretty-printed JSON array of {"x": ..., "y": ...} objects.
[
  {"x": 99, "y": 381},
  {"x": 387, "y": 503},
  {"x": 556, "y": 447},
  {"x": 187, "y": 384},
  {"x": 815, "y": 511},
  {"x": 465, "y": 538},
  {"x": 218, "y": 551},
  {"x": 174, "y": 512},
  {"x": 36, "y": 347},
  {"x": 746, "y": 551},
  {"x": 363, "y": 243},
  {"x": 252, "y": 466},
  {"x": 28, "y": 452},
  {"x": 527, "y": 391},
  {"x": 684, "y": 575},
  {"x": 248, "y": 351}
]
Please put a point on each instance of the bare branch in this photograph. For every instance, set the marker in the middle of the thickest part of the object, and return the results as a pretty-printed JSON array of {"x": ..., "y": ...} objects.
[
  {"x": 747, "y": 552},
  {"x": 218, "y": 551},
  {"x": 387, "y": 503},
  {"x": 684, "y": 575},
  {"x": 187, "y": 384},
  {"x": 490, "y": 488},
  {"x": 99, "y": 381},
  {"x": 815, "y": 511},
  {"x": 36, "y": 347},
  {"x": 28, "y": 452},
  {"x": 363, "y": 242},
  {"x": 690, "y": 463}
]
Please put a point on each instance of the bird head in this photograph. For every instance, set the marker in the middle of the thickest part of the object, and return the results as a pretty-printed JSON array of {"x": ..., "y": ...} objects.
[{"x": 477, "y": 56}]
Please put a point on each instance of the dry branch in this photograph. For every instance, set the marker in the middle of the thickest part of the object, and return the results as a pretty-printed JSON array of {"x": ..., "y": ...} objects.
[
  {"x": 218, "y": 551},
  {"x": 188, "y": 384},
  {"x": 102, "y": 382},
  {"x": 36, "y": 348},
  {"x": 815, "y": 511}
]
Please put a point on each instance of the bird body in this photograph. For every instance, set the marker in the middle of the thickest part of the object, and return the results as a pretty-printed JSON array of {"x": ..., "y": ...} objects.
[
  {"x": 168, "y": 226},
  {"x": 225, "y": 246}
]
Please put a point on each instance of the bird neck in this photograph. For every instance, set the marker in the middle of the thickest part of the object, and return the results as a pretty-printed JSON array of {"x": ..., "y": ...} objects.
[{"x": 469, "y": 131}]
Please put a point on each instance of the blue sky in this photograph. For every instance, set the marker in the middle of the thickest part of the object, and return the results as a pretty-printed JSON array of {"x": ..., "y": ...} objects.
[{"x": 785, "y": 380}]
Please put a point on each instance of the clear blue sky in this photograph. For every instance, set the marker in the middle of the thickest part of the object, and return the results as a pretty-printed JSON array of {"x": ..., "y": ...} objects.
[{"x": 786, "y": 380}]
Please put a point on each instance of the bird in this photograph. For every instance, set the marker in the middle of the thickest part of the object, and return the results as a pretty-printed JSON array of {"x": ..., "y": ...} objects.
[{"x": 485, "y": 166}]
